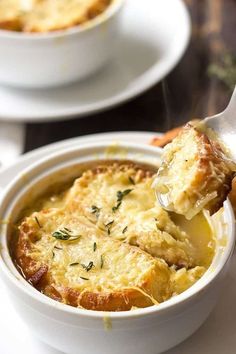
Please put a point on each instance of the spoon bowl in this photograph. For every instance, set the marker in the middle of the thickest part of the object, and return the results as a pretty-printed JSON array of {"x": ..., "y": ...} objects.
[{"x": 221, "y": 127}]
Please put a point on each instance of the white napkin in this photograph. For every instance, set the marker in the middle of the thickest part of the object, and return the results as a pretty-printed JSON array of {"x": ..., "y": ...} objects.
[{"x": 12, "y": 136}]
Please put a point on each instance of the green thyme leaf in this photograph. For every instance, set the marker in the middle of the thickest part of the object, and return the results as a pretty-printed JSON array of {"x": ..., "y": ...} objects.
[
  {"x": 58, "y": 248},
  {"x": 38, "y": 223},
  {"x": 68, "y": 230},
  {"x": 74, "y": 264},
  {"x": 102, "y": 262},
  {"x": 65, "y": 234},
  {"x": 116, "y": 207},
  {"x": 108, "y": 226},
  {"x": 88, "y": 267},
  {"x": 95, "y": 210},
  {"x": 125, "y": 229},
  {"x": 131, "y": 180},
  {"x": 120, "y": 195},
  {"x": 94, "y": 246}
]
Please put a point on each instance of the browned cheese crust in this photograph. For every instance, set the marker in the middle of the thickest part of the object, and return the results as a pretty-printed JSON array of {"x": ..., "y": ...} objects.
[{"x": 116, "y": 256}]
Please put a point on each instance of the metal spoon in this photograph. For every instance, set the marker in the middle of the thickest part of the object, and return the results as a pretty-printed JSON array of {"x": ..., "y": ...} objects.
[{"x": 224, "y": 125}]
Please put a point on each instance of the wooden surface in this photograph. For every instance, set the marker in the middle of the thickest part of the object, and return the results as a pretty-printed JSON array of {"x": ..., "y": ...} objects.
[{"x": 186, "y": 93}]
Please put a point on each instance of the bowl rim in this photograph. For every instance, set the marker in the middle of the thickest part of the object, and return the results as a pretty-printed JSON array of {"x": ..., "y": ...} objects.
[
  {"x": 98, "y": 20},
  {"x": 202, "y": 284}
]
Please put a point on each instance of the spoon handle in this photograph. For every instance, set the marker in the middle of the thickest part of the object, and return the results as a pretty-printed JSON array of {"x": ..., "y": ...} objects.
[
  {"x": 230, "y": 110},
  {"x": 224, "y": 124},
  {"x": 227, "y": 117}
]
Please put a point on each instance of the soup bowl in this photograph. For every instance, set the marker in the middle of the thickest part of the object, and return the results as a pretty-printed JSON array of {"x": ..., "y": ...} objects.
[
  {"x": 38, "y": 60},
  {"x": 72, "y": 330}
]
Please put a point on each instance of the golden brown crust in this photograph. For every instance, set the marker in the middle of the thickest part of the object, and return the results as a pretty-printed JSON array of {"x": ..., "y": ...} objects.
[
  {"x": 24, "y": 261},
  {"x": 122, "y": 300},
  {"x": 167, "y": 138},
  {"x": 117, "y": 301},
  {"x": 141, "y": 170},
  {"x": 112, "y": 301},
  {"x": 212, "y": 153},
  {"x": 10, "y": 25},
  {"x": 151, "y": 291}
]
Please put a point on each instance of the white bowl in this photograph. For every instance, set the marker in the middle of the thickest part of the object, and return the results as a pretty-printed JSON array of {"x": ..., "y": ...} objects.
[
  {"x": 61, "y": 57},
  {"x": 150, "y": 330}
]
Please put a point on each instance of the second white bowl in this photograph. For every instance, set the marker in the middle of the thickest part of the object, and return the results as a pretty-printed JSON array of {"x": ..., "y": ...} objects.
[{"x": 58, "y": 58}]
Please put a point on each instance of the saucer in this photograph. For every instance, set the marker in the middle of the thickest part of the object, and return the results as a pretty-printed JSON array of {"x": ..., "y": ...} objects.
[
  {"x": 216, "y": 336},
  {"x": 154, "y": 36}
]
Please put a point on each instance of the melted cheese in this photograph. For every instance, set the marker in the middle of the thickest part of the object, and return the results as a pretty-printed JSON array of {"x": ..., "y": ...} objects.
[
  {"x": 48, "y": 15},
  {"x": 139, "y": 220},
  {"x": 115, "y": 265},
  {"x": 108, "y": 238}
]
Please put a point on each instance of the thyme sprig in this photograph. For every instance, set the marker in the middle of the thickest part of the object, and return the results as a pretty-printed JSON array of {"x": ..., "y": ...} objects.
[
  {"x": 74, "y": 264},
  {"x": 120, "y": 196},
  {"x": 65, "y": 234},
  {"x": 108, "y": 226},
  {"x": 95, "y": 210},
  {"x": 94, "y": 246},
  {"x": 88, "y": 267},
  {"x": 37, "y": 222},
  {"x": 124, "y": 230},
  {"x": 58, "y": 248},
  {"x": 131, "y": 180},
  {"x": 115, "y": 208},
  {"x": 102, "y": 262}
]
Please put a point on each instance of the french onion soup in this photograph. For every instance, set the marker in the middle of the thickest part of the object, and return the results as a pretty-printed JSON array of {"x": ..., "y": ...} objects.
[
  {"x": 48, "y": 15},
  {"x": 104, "y": 243}
]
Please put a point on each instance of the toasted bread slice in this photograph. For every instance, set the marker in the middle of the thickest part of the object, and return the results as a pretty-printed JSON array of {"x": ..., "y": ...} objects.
[
  {"x": 88, "y": 269},
  {"x": 105, "y": 243},
  {"x": 137, "y": 218},
  {"x": 195, "y": 173},
  {"x": 164, "y": 139}
]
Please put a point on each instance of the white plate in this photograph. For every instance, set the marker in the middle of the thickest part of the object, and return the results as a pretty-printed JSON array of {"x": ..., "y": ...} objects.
[
  {"x": 155, "y": 34},
  {"x": 216, "y": 336}
]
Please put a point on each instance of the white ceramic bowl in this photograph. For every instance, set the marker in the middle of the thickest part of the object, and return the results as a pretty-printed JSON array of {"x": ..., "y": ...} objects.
[
  {"x": 61, "y": 57},
  {"x": 150, "y": 330}
]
